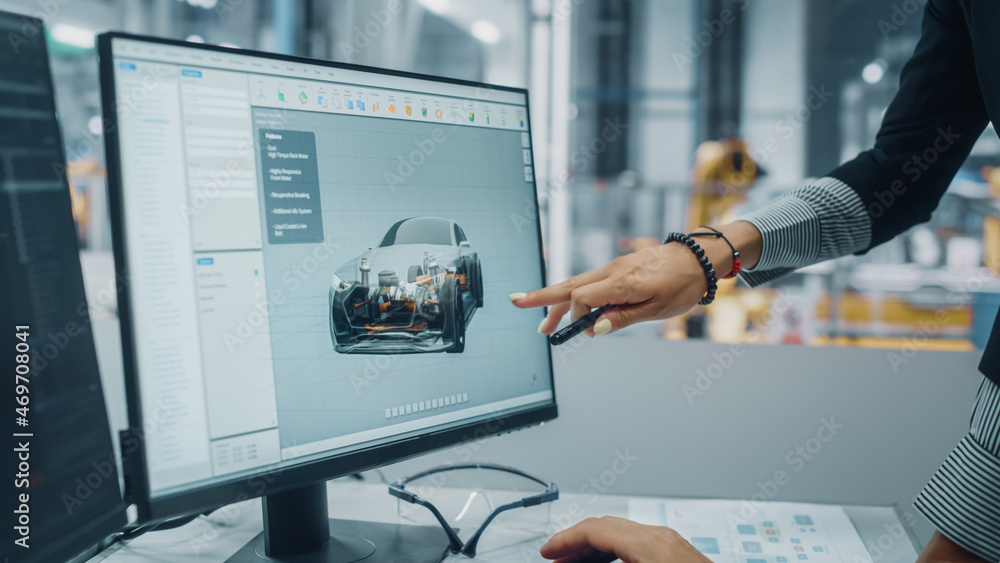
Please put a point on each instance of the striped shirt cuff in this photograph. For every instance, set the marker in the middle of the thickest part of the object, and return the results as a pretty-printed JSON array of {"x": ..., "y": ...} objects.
[
  {"x": 962, "y": 499},
  {"x": 822, "y": 220}
]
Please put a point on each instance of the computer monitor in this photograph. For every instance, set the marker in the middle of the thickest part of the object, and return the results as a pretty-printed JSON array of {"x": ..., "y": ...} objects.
[
  {"x": 317, "y": 264},
  {"x": 61, "y": 484}
]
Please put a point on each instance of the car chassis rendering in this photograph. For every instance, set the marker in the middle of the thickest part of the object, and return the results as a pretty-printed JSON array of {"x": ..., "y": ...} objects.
[{"x": 428, "y": 312}]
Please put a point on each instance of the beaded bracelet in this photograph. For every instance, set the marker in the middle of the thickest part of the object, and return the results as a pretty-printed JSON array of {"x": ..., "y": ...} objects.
[
  {"x": 736, "y": 253},
  {"x": 713, "y": 283}
]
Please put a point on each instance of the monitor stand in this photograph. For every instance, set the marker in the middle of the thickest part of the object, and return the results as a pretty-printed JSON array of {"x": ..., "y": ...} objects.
[{"x": 297, "y": 529}]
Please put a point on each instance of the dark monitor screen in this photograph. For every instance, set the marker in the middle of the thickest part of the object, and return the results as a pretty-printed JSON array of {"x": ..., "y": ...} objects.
[
  {"x": 319, "y": 260},
  {"x": 61, "y": 485}
]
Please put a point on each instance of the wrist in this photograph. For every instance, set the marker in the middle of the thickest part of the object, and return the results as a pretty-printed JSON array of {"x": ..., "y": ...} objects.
[{"x": 744, "y": 238}]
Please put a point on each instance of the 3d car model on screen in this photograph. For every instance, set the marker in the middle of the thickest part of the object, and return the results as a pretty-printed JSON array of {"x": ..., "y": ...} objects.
[{"x": 375, "y": 310}]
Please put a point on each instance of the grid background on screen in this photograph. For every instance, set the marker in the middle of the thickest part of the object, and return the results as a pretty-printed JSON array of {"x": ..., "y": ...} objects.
[{"x": 472, "y": 175}]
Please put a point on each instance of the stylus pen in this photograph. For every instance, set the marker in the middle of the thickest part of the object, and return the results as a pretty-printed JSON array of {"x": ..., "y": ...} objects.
[{"x": 578, "y": 326}]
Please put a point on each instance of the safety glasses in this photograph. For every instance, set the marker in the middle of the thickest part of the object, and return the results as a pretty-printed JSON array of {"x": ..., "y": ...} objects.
[{"x": 495, "y": 489}]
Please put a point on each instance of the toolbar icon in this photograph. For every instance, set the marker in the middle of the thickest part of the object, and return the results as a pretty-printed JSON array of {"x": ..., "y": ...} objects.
[
  {"x": 409, "y": 111},
  {"x": 303, "y": 98},
  {"x": 520, "y": 122},
  {"x": 281, "y": 96},
  {"x": 437, "y": 113},
  {"x": 350, "y": 104},
  {"x": 423, "y": 111},
  {"x": 472, "y": 116},
  {"x": 392, "y": 108},
  {"x": 374, "y": 106},
  {"x": 361, "y": 106},
  {"x": 487, "y": 119}
]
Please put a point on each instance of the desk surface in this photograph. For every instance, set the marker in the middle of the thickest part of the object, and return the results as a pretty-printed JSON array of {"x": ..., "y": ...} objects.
[{"x": 215, "y": 538}]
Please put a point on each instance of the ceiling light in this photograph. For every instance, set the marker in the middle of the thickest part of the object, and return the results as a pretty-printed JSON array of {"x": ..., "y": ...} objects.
[
  {"x": 95, "y": 125},
  {"x": 439, "y": 7},
  {"x": 72, "y": 35},
  {"x": 485, "y": 31},
  {"x": 873, "y": 71}
]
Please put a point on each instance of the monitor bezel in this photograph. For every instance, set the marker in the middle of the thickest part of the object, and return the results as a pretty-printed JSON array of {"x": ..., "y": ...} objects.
[
  {"x": 81, "y": 542},
  {"x": 201, "y": 498}
]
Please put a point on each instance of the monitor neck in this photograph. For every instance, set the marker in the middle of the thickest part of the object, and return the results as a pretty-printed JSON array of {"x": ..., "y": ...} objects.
[{"x": 296, "y": 521}]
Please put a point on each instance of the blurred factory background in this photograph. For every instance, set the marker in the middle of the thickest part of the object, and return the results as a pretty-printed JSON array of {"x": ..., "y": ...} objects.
[{"x": 649, "y": 116}]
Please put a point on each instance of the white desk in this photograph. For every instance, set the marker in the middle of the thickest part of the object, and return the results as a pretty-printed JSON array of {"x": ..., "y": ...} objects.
[{"x": 215, "y": 538}]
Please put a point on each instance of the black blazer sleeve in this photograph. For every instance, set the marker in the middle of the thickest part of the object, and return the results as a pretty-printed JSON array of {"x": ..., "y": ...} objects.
[{"x": 928, "y": 129}]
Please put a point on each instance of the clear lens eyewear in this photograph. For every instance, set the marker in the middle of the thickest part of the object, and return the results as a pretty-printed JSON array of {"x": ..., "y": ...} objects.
[{"x": 462, "y": 496}]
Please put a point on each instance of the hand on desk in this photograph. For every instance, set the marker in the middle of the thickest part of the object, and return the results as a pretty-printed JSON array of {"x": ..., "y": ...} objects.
[
  {"x": 610, "y": 538},
  {"x": 656, "y": 283}
]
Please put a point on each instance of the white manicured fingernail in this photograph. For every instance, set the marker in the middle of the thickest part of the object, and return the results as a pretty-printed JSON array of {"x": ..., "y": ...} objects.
[
  {"x": 603, "y": 326},
  {"x": 517, "y": 296},
  {"x": 543, "y": 325}
]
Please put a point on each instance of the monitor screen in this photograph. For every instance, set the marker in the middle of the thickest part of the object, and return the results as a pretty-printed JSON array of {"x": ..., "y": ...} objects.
[
  {"x": 319, "y": 257},
  {"x": 61, "y": 486}
]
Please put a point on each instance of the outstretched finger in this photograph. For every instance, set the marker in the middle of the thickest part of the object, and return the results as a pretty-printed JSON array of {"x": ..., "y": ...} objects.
[{"x": 558, "y": 293}]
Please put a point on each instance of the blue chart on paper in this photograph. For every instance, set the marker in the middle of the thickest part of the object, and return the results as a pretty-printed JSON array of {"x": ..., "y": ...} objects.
[{"x": 744, "y": 532}]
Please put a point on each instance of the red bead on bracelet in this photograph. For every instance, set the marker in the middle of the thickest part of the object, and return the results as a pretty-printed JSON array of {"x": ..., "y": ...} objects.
[{"x": 718, "y": 234}]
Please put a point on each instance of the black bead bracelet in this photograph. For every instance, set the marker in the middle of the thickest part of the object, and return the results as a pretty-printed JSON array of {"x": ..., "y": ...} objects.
[{"x": 713, "y": 282}]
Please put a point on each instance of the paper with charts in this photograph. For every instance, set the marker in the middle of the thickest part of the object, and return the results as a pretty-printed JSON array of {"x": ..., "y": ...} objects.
[{"x": 729, "y": 531}]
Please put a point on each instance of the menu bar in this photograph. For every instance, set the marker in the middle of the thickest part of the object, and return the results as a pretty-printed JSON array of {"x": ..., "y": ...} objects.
[
  {"x": 327, "y": 97},
  {"x": 235, "y": 61}
]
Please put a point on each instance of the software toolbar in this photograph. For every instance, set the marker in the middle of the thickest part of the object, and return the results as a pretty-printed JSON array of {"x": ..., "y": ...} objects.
[{"x": 308, "y": 87}]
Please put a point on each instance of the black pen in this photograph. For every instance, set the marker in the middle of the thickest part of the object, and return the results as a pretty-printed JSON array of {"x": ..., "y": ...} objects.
[{"x": 578, "y": 326}]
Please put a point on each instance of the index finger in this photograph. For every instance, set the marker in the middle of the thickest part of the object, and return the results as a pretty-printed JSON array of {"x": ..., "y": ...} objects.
[{"x": 558, "y": 293}]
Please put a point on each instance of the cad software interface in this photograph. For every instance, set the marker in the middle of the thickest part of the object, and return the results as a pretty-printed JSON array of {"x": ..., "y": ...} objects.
[{"x": 319, "y": 258}]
